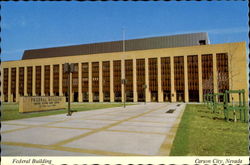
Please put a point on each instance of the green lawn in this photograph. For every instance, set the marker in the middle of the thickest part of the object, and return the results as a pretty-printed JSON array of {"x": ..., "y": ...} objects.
[
  {"x": 10, "y": 110},
  {"x": 202, "y": 133}
]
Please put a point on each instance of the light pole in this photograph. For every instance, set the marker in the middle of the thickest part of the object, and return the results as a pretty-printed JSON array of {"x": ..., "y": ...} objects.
[
  {"x": 144, "y": 86},
  {"x": 124, "y": 81},
  {"x": 69, "y": 68}
]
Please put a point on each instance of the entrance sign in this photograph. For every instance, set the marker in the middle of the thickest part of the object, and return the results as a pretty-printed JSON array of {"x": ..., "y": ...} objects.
[{"x": 41, "y": 103}]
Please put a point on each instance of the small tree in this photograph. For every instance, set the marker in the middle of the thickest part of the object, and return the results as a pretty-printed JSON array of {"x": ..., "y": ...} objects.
[
  {"x": 232, "y": 75},
  {"x": 225, "y": 79},
  {"x": 207, "y": 84}
]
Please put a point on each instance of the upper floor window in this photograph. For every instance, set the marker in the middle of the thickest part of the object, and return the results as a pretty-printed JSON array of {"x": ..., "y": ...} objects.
[{"x": 202, "y": 42}]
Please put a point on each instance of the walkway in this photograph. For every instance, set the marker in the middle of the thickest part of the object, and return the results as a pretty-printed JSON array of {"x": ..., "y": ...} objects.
[{"x": 135, "y": 130}]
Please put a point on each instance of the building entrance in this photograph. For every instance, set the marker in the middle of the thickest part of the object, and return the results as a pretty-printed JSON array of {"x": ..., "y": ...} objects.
[
  {"x": 95, "y": 96},
  {"x": 167, "y": 96},
  {"x": 14, "y": 97},
  {"x": 106, "y": 96},
  {"x": 129, "y": 96},
  {"x": 75, "y": 97},
  {"x": 118, "y": 97},
  {"x": 85, "y": 97},
  {"x": 141, "y": 96},
  {"x": 193, "y": 95},
  {"x": 154, "y": 96},
  {"x": 180, "y": 96},
  {"x": 66, "y": 95}
]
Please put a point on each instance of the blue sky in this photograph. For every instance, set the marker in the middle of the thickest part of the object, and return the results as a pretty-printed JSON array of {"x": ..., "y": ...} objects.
[{"x": 32, "y": 25}]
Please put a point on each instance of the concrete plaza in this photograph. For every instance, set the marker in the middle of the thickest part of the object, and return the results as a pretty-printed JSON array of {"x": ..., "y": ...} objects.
[{"x": 136, "y": 130}]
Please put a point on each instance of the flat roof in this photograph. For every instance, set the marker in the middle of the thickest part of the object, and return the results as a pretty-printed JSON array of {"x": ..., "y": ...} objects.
[{"x": 180, "y": 40}]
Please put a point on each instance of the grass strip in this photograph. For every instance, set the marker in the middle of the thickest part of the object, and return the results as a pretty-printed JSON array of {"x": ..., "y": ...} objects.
[
  {"x": 203, "y": 133},
  {"x": 9, "y": 111}
]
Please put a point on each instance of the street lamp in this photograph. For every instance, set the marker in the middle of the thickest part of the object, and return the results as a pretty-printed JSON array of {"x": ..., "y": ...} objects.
[
  {"x": 124, "y": 82},
  {"x": 69, "y": 68},
  {"x": 144, "y": 87}
]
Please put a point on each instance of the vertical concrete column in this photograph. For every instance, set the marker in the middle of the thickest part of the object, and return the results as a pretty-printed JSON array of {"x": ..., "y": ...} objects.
[
  {"x": 160, "y": 92},
  {"x": 51, "y": 81},
  {"x": 186, "y": 79},
  {"x": 135, "y": 82},
  {"x": 215, "y": 73},
  {"x": 90, "y": 83},
  {"x": 9, "y": 86},
  {"x": 17, "y": 84},
  {"x": 147, "y": 80},
  {"x": 42, "y": 81},
  {"x": 173, "y": 91},
  {"x": 33, "y": 80},
  {"x": 100, "y": 82},
  {"x": 123, "y": 77},
  {"x": 112, "y": 99},
  {"x": 60, "y": 79},
  {"x": 200, "y": 78},
  {"x": 79, "y": 82},
  {"x": 25, "y": 81}
]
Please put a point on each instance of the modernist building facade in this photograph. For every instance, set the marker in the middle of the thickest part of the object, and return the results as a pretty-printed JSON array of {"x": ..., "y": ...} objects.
[{"x": 179, "y": 68}]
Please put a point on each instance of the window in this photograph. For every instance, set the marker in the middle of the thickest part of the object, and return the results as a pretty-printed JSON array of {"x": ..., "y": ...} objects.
[
  {"x": 85, "y": 77},
  {"x": 29, "y": 80},
  {"x": 207, "y": 73},
  {"x": 165, "y": 74},
  {"x": 95, "y": 76},
  {"x": 179, "y": 77},
  {"x": 5, "y": 81},
  {"x": 222, "y": 69},
  {"x": 75, "y": 78},
  {"x": 106, "y": 76},
  {"x": 117, "y": 76},
  {"x": 56, "y": 78},
  {"x": 38, "y": 80},
  {"x": 202, "y": 42},
  {"x": 13, "y": 80},
  {"x": 153, "y": 81}
]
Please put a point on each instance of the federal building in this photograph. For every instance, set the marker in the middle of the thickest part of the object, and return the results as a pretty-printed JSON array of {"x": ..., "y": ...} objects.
[{"x": 176, "y": 68}]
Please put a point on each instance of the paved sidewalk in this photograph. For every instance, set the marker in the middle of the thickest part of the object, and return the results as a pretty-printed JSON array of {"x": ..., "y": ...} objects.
[{"x": 135, "y": 130}]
